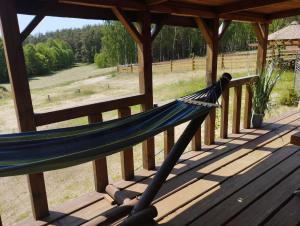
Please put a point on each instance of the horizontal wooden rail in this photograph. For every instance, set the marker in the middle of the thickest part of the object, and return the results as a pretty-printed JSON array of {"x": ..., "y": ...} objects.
[
  {"x": 242, "y": 81},
  {"x": 86, "y": 110}
]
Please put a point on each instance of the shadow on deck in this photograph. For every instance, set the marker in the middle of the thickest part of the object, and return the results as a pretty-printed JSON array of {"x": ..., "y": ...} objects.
[{"x": 247, "y": 179}]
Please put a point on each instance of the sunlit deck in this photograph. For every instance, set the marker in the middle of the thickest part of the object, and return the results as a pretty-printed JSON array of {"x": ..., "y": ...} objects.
[{"x": 248, "y": 179}]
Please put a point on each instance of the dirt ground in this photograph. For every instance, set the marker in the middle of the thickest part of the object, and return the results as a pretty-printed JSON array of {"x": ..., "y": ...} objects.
[{"x": 77, "y": 86}]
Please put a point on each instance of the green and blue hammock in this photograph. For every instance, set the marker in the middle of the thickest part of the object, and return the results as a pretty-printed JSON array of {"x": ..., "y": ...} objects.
[{"x": 34, "y": 152}]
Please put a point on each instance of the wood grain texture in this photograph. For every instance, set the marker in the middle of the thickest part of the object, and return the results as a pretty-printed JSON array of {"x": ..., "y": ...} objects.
[
  {"x": 146, "y": 82},
  {"x": 127, "y": 161},
  {"x": 261, "y": 30},
  {"x": 224, "y": 114},
  {"x": 169, "y": 139},
  {"x": 196, "y": 141},
  {"x": 237, "y": 102},
  {"x": 99, "y": 165},
  {"x": 21, "y": 94}
]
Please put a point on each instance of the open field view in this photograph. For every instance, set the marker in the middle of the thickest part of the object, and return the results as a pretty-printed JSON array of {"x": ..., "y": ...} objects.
[{"x": 85, "y": 84}]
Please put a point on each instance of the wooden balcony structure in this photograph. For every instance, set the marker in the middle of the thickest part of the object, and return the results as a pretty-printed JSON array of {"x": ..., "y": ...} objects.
[{"x": 212, "y": 18}]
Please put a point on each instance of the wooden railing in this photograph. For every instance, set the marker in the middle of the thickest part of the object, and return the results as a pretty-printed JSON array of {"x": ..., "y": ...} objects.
[{"x": 94, "y": 113}]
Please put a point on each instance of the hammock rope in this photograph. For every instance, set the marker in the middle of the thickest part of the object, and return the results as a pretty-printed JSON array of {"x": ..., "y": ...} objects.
[{"x": 34, "y": 152}]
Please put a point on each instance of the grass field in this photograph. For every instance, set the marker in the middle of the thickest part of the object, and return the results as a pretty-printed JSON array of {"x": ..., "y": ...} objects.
[{"x": 86, "y": 84}]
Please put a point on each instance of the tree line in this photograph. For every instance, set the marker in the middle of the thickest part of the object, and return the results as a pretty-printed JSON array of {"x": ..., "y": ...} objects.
[
  {"x": 109, "y": 44},
  {"x": 41, "y": 58}
]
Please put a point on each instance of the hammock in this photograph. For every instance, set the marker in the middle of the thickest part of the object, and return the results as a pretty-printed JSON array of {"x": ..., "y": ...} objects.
[{"x": 34, "y": 152}]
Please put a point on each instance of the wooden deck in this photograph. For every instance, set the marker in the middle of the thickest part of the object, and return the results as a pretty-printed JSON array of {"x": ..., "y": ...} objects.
[{"x": 247, "y": 179}]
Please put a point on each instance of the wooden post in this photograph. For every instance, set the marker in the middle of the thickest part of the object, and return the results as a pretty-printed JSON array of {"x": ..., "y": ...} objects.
[
  {"x": 127, "y": 163},
  {"x": 261, "y": 30},
  {"x": 169, "y": 137},
  {"x": 210, "y": 31},
  {"x": 143, "y": 39},
  {"x": 248, "y": 107},
  {"x": 0, "y": 221},
  {"x": 237, "y": 109},
  {"x": 145, "y": 81},
  {"x": 99, "y": 165},
  {"x": 196, "y": 141},
  {"x": 171, "y": 65},
  {"x": 224, "y": 114},
  {"x": 22, "y": 97}
]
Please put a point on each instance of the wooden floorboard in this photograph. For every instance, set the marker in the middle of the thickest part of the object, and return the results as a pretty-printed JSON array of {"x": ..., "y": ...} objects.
[
  {"x": 288, "y": 215},
  {"x": 183, "y": 174},
  {"x": 240, "y": 200},
  {"x": 216, "y": 173},
  {"x": 202, "y": 185}
]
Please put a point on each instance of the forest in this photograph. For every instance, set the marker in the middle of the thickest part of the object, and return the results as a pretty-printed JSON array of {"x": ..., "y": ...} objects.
[{"x": 108, "y": 44}]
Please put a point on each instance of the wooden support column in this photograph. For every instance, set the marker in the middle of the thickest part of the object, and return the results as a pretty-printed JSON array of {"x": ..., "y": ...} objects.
[
  {"x": 142, "y": 36},
  {"x": 146, "y": 83},
  {"x": 22, "y": 97},
  {"x": 261, "y": 30},
  {"x": 210, "y": 31},
  {"x": 127, "y": 162},
  {"x": 99, "y": 165},
  {"x": 169, "y": 138}
]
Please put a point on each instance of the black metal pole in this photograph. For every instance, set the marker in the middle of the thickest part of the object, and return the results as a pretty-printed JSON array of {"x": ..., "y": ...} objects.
[
  {"x": 177, "y": 150},
  {"x": 167, "y": 166}
]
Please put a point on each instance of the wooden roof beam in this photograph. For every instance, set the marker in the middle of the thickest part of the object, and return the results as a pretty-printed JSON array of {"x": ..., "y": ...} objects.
[
  {"x": 31, "y": 26},
  {"x": 243, "y": 5},
  {"x": 283, "y": 14},
  {"x": 125, "y": 5},
  {"x": 156, "y": 2},
  {"x": 131, "y": 29}
]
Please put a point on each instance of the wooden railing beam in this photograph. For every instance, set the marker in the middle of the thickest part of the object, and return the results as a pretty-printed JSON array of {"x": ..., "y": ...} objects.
[
  {"x": 127, "y": 161},
  {"x": 21, "y": 95},
  {"x": 99, "y": 165}
]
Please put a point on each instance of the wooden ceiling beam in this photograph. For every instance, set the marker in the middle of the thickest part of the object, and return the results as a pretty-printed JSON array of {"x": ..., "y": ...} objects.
[
  {"x": 156, "y": 2},
  {"x": 243, "y": 5},
  {"x": 124, "y": 5},
  {"x": 283, "y": 14},
  {"x": 31, "y": 26},
  {"x": 131, "y": 29}
]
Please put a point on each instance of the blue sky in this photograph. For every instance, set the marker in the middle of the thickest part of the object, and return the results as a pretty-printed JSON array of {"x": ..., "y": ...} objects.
[{"x": 55, "y": 23}]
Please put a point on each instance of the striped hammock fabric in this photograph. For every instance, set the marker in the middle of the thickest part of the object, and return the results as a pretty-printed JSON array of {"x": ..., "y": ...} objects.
[{"x": 34, "y": 152}]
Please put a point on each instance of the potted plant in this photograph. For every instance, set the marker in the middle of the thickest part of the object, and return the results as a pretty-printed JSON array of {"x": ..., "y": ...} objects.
[{"x": 262, "y": 89}]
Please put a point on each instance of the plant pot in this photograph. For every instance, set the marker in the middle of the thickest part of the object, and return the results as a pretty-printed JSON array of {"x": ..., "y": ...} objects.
[{"x": 257, "y": 120}]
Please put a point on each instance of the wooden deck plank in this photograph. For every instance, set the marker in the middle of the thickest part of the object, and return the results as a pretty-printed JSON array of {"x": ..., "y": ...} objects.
[
  {"x": 213, "y": 175},
  {"x": 240, "y": 200},
  {"x": 207, "y": 158},
  {"x": 260, "y": 210},
  {"x": 65, "y": 209},
  {"x": 288, "y": 215},
  {"x": 143, "y": 174},
  {"x": 214, "y": 196},
  {"x": 84, "y": 215}
]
